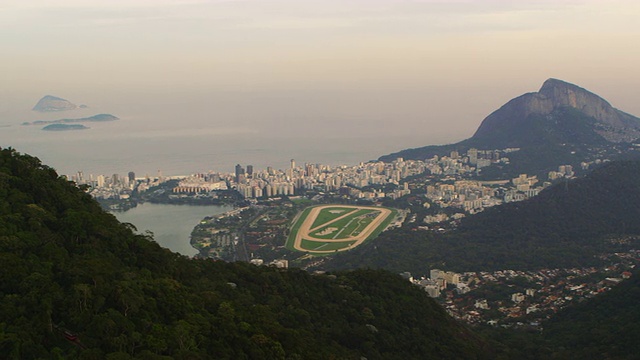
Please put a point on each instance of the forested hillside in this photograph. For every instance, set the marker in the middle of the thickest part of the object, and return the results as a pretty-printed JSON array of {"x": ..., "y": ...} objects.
[
  {"x": 608, "y": 325},
  {"x": 76, "y": 283},
  {"x": 566, "y": 225}
]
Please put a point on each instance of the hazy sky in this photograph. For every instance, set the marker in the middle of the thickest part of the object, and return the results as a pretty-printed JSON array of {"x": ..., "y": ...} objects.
[{"x": 437, "y": 67}]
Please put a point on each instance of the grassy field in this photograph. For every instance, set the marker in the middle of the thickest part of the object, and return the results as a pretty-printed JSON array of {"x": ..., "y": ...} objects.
[
  {"x": 319, "y": 229},
  {"x": 329, "y": 214},
  {"x": 349, "y": 226}
]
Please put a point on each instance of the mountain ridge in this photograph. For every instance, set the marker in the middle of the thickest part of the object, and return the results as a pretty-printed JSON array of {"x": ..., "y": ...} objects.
[{"x": 562, "y": 123}]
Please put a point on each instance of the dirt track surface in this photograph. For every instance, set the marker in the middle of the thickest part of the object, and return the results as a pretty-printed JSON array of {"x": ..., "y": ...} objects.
[{"x": 304, "y": 232}]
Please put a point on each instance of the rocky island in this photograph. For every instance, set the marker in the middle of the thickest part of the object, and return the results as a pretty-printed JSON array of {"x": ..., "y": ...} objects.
[
  {"x": 94, "y": 118},
  {"x": 51, "y": 103},
  {"x": 64, "y": 127}
]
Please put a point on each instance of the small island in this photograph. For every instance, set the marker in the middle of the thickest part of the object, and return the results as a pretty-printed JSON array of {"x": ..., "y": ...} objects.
[
  {"x": 53, "y": 103},
  {"x": 64, "y": 127},
  {"x": 94, "y": 118}
]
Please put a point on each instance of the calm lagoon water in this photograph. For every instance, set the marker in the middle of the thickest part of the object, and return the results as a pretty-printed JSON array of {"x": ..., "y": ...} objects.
[{"x": 170, "y": 224}]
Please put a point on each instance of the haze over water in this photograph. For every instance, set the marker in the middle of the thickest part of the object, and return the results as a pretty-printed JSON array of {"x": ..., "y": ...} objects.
[
  {"x": 205, "y": 84},
  {"x": 197, "y": 137}
]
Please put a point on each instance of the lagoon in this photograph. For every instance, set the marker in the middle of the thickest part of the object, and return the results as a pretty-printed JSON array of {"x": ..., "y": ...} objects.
[{"x": 171, "y": 225}]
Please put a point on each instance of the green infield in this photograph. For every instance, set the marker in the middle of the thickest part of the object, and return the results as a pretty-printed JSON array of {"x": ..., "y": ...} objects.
[
  {"x": 347, "y": 226},
  {"x": 328, "y": 228},
  {"x": 328, "y": 214}
]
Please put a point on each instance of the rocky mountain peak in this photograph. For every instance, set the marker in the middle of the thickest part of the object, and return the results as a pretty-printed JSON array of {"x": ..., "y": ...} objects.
[
  {"x": 564, "y": 94},
  {"x": 560, "y": 124},
  {"x": 558, "y": 88},
  {"x": 612, "y": 124}
]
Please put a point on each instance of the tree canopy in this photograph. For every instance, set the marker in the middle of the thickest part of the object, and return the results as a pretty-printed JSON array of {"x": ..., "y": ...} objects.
[{"x": 76, "y": 283}]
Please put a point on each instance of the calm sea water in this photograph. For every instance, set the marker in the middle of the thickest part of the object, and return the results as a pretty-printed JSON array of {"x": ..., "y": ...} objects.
[
  {"x": 161, "y": 133},
  {"x": 109, "y": 149},
  {"x": 170, "y": 224}
]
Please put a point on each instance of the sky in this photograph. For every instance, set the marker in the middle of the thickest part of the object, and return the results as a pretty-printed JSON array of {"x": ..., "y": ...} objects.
[{"x": 423, "y": 69}]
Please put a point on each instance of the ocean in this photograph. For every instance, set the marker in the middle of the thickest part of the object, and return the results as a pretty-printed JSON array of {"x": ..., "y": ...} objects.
[{"x": 180, "y": 138}]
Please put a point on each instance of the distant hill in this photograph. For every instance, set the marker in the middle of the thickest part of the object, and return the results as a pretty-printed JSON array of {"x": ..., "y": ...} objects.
[
  {"x": 77, "y": 284},
  {"x": 566, "y": 225},
  {"x": 52, "y": 103},
  {"x": 560, "y": 124}
]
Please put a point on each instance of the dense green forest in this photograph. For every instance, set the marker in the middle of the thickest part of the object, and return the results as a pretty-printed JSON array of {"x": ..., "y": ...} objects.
[
  {"x": 566, "y": 225},
  {"x": 607, "y": 326},
  {"x": 603, "y": 327},
  {"x": 76, "y": 283}
]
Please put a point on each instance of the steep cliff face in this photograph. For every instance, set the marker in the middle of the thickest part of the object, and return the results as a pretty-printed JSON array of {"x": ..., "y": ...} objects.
[
  {"x": 560, "y": 93},
  {"x": 612, "y": 124}
]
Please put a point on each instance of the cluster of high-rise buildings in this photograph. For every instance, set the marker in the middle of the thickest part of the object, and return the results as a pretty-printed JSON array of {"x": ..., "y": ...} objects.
[
  {"x": 116, "y": 186},
  {"x": 107, "y": 187},
  {"x": 198, "y": 183},
  {"x": 450, "y": 182},
  {"x": 349, "y": 180},
  {"x": 324, "y": 178}
]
